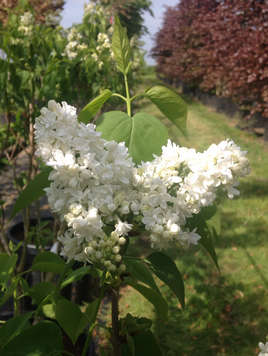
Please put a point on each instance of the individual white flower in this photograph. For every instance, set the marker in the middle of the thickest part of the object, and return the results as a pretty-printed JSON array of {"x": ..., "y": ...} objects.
[
  {"x": 26, "y": 23},
  {"x": 27, "y": 19},
  {"x": 263, "y": 348},
  {"x": 102, "y": 37},
  {"x": 122, "y": 228},
  {"x": 75, "y": 45}
]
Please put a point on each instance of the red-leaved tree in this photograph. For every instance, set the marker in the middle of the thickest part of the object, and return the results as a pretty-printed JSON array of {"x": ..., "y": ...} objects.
[
  {"x": 220, "y": 46},
  {"x": 179, "y": 41},
  {"x": 41, "y": 8}
]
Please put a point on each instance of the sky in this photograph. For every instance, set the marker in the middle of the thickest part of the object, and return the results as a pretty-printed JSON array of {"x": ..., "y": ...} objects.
[{"x": 73, "y": 12}]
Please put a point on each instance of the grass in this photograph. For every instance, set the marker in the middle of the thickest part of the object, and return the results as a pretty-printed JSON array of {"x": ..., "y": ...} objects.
[{"x": 226, "y": 312}]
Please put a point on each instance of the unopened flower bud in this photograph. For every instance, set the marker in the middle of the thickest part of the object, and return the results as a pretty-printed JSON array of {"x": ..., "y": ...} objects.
[
  {"x": 122, "y": 241},
  {"x": 89, "y": 250},
  {"x": 116, "y": 249},
  {"x": 98, "y": 255},
  {"x": 118, "y": 258},
  {"x": 111, "y": 267},
  {"x": 107, "y": 263},
  {"x": 122, "y": 268}
]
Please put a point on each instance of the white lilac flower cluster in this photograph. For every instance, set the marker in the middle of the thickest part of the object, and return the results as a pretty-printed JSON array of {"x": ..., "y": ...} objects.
[
  {"x": 93, "y": 9},
  {"x": 95, "y": 13},
  {"x": 26, "y": 23},
  {"x": 101, "y": 195},
  {"x": 90, "y": 187},
  {"x": 103, "y": 44},
  {"x": 181, "y": 181},
  {"x": 74, "y": 45},
  {"x": 264, "y": 349},
  {"x": 53, "y": 18}
]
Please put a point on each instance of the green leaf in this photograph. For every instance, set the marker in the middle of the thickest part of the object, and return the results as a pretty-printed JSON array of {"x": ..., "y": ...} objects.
[
  {"x": 24, "y": 285},
  {"x": 139, "y": 271},
  {"x": 131, "y": 344},
  {"x": 121, "y": 47},
  {"x": 142, "y": 343},
  {"x": 152, "y": 296},
  {"x": 201, "y": 222},
  {"x": 8, "y": 293},
  {"x": 207, "y": 242},
  {"x": 76, "y": 275},
  {"x": 13, "y": 327},
  {"x": 70, "y": 318},
  {"x": 91, "y": 109},
  {"x": 92, "y": 311},
  {"x": 41, "y": 290},
  {"x": 214, "y": 224},
  {"x": 49, "y": 310},
  {"x": 32, "y": 192},
  {"x": 170, "y": 104},
  {"x": 48, "y": 262},
  {"x": 143, "y": 134},
  {"x": 145, "y": 344},
  {"x": 7, "y": 266},
  {"x": 167, "y": 271},
  {"x": 206, "y": 213},
  {"x": 42, "y": 339}
]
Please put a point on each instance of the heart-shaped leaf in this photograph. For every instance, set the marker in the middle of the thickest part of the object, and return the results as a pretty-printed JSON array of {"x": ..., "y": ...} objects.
[
  {"x": 143, "y": 134},
  {"x": 41, "y": 290},
  {"x": 42, "y": 339},
  {"x": 144, "y": 343},
  {"x": 70, "y": 318},
  {"x": 170, "y": 104},
  {"x": 13, "y": 327},
  {"x": 49, "y": 262}
]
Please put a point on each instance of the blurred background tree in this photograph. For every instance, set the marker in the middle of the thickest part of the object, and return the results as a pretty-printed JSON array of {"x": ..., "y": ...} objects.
[
  {"x": 41, "y": 8},
  {"x": 130, "y": 13},
  {"x": 219, "y": 47}
]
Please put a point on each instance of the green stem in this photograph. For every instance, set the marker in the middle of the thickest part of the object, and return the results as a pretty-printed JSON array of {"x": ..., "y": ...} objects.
[
  {"x": 15, "y": 303},
  {"x": 26, "y": 227},
  {"x": 115, "y": 323},
  {"x": 128, "y": 96},
  {"x": 120, "y": 96},
  {"x": 136, "y": 96},
  {"x": 91, "y": 327}
]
